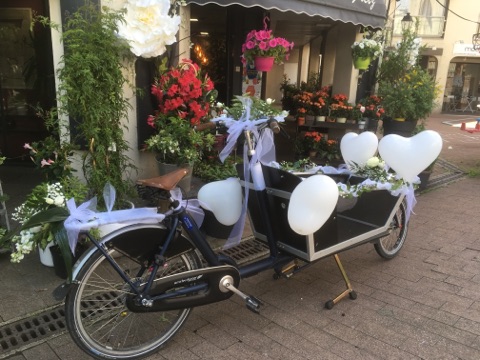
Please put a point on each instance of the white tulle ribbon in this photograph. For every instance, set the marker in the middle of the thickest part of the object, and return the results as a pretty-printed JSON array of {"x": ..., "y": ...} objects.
[
  {"x": 85, "y": 216},
  {"x": 193, "y": 206}
]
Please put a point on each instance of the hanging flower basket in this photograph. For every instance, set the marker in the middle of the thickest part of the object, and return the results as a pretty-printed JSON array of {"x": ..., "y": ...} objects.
[
  {"x": 264, "y": 63},
  {"x": 361, "y": 63},
  {"x": 262, "y": 43}
]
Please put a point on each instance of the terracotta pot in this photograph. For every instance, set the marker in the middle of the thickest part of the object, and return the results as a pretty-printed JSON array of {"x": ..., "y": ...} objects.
[{"x": 300, "y": 121}]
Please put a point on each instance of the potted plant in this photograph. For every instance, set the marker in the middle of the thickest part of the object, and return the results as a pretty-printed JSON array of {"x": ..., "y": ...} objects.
[
  {"x": 263, "y": 49},
  {"x": 184, "y": 96},
  {"x": 366, "y": 50},
  {"x": 371, "y": 111},
  {"x": 340, "y": 108},
  {"x": 312, "y": 141},
  {"x": 407, "y": 91},
  {"x": 41, "y": 216},
  {"x": 92, "y": 77},
  {"x": 320, "y": 105}
]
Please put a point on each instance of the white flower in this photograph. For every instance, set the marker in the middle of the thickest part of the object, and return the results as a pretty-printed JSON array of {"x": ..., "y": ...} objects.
[
  {"x": 59, "y": 201},
  {"x": 49, "y": 201},
  {"x": 35, "y": 229},
  {"x": 148, "y": 28},
  {"x": 270, "y": 101},
  {"x": 373, "y": 162}
]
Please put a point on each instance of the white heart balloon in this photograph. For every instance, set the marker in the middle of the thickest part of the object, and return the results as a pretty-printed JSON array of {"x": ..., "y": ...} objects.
[
  {"x": 311, "y": 204},
  {"x": 223, "y": 198},
  {"x": 357, "y": 149},
  {"x": 410, "y": 156}
]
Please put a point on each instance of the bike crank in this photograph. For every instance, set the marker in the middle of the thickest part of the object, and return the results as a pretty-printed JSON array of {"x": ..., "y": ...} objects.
[{"x": 253, "y": 304}]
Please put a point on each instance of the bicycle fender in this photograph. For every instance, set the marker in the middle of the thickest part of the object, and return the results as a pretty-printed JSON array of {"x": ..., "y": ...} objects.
[{"x": 139, "y": 241}]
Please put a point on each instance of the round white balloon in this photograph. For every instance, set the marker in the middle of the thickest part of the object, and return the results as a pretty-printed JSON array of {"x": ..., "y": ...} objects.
[
  {"x": 357, "y": 149},
  {"x": 311, "y": 204},
  {"x": 410, "y": 156}
]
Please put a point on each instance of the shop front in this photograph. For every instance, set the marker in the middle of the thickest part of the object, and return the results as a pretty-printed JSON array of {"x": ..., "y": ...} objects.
[
  {"x": 321, "y": 30},
  {"x": 462, "y": 87}
]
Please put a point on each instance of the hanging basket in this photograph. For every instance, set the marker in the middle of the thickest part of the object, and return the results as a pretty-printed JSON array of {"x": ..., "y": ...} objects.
[
  {"x": 264, "y": 63},
  {"x": 361, "y": 63}
]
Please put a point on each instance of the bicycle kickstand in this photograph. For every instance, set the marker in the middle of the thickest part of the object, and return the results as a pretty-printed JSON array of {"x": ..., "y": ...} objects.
[
  {"x": 253, "y": 304},
  {"x": 349, "y": 291}
]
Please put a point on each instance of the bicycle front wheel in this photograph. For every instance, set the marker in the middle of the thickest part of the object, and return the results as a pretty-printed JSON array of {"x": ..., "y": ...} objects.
[
  {"x": 97, "y": 315},
  {"x": 389, "y": 246}
]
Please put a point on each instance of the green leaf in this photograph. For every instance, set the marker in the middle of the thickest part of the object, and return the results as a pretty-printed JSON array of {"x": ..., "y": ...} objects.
[
  {"x": 51, "y": 215},
  {"x": 61, "y": 240}
]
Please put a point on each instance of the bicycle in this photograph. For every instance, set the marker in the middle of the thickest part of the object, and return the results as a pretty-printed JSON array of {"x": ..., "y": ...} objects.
[{"x": 134, "y": 289}]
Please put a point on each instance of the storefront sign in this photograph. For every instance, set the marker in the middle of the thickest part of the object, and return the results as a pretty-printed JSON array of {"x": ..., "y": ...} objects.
[{"x": 465, "y": 50}]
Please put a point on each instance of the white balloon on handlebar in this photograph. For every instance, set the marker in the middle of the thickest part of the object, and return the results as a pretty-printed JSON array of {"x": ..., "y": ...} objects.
[{"x": 311, "y": 204}]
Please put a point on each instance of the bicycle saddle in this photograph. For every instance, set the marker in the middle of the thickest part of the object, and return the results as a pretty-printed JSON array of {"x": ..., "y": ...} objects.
[{"x": 165, "y": 182}]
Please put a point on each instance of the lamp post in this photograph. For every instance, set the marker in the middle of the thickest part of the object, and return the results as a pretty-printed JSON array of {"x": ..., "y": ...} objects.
[{"x": 407, "y": 21}]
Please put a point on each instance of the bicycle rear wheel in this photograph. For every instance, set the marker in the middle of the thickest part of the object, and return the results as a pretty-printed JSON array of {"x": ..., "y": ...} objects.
[
  {"x": 389, "y": 246},
  {"x": 97, "y": 315}
]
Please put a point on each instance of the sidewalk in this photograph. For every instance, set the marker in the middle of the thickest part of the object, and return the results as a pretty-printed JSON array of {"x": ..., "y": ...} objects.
[{"x": 423, "y": 304}]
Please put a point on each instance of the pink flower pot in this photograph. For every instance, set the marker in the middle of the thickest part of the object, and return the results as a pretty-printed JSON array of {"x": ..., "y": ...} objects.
[{"x": 264, "y": 63}]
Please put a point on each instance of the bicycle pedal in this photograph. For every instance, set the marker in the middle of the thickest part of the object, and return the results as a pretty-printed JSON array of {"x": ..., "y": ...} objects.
[
  {"x": 253, "y": 304},
  {"x": 289, "y": 268}
]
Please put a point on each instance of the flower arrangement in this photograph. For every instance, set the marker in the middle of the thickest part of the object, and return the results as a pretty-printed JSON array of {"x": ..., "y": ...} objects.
[
  {"x": 370, "y": 107},
  {"x": 183, "y": 91},
  {"x": 149, "y": 26},
  {"x": 327, "y": 149},
  {"x": 43, "y": 197},
  {"x": 312, "y": 140},
  {"x": 259, "y": 109},
  {"x": 340, "y": 107},
  {"x": 367, "y": 48},
  {"x": 185, "y": 96},
  {"x": 176, "y": 142},
  {"x": 377, "y": 176},
  {"x": 263, "y": 43},
  {"x": 321, "y": 102},
  {"x": 304, "y": 102},
  {"x": 330, "y": 150}
]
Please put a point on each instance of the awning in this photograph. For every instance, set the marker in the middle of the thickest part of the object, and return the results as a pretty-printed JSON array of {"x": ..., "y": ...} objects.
[{"x": 359, "y": 12}]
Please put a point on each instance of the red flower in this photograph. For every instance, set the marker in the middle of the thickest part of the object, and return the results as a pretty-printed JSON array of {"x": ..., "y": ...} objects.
[{"x": 182, "y": 91}]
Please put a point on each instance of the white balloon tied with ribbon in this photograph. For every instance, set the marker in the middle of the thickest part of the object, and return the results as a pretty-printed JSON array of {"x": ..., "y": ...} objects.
[{"x": 408, "y": 157}]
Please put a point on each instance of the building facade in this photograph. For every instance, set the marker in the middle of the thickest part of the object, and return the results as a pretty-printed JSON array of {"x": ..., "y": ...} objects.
[
  {"x": 321, "y": 30},
  {"x": 447, "y": 29}
]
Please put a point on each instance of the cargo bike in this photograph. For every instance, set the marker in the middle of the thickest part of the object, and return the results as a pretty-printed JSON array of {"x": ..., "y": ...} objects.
[{"x": 132, "y": 291}]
